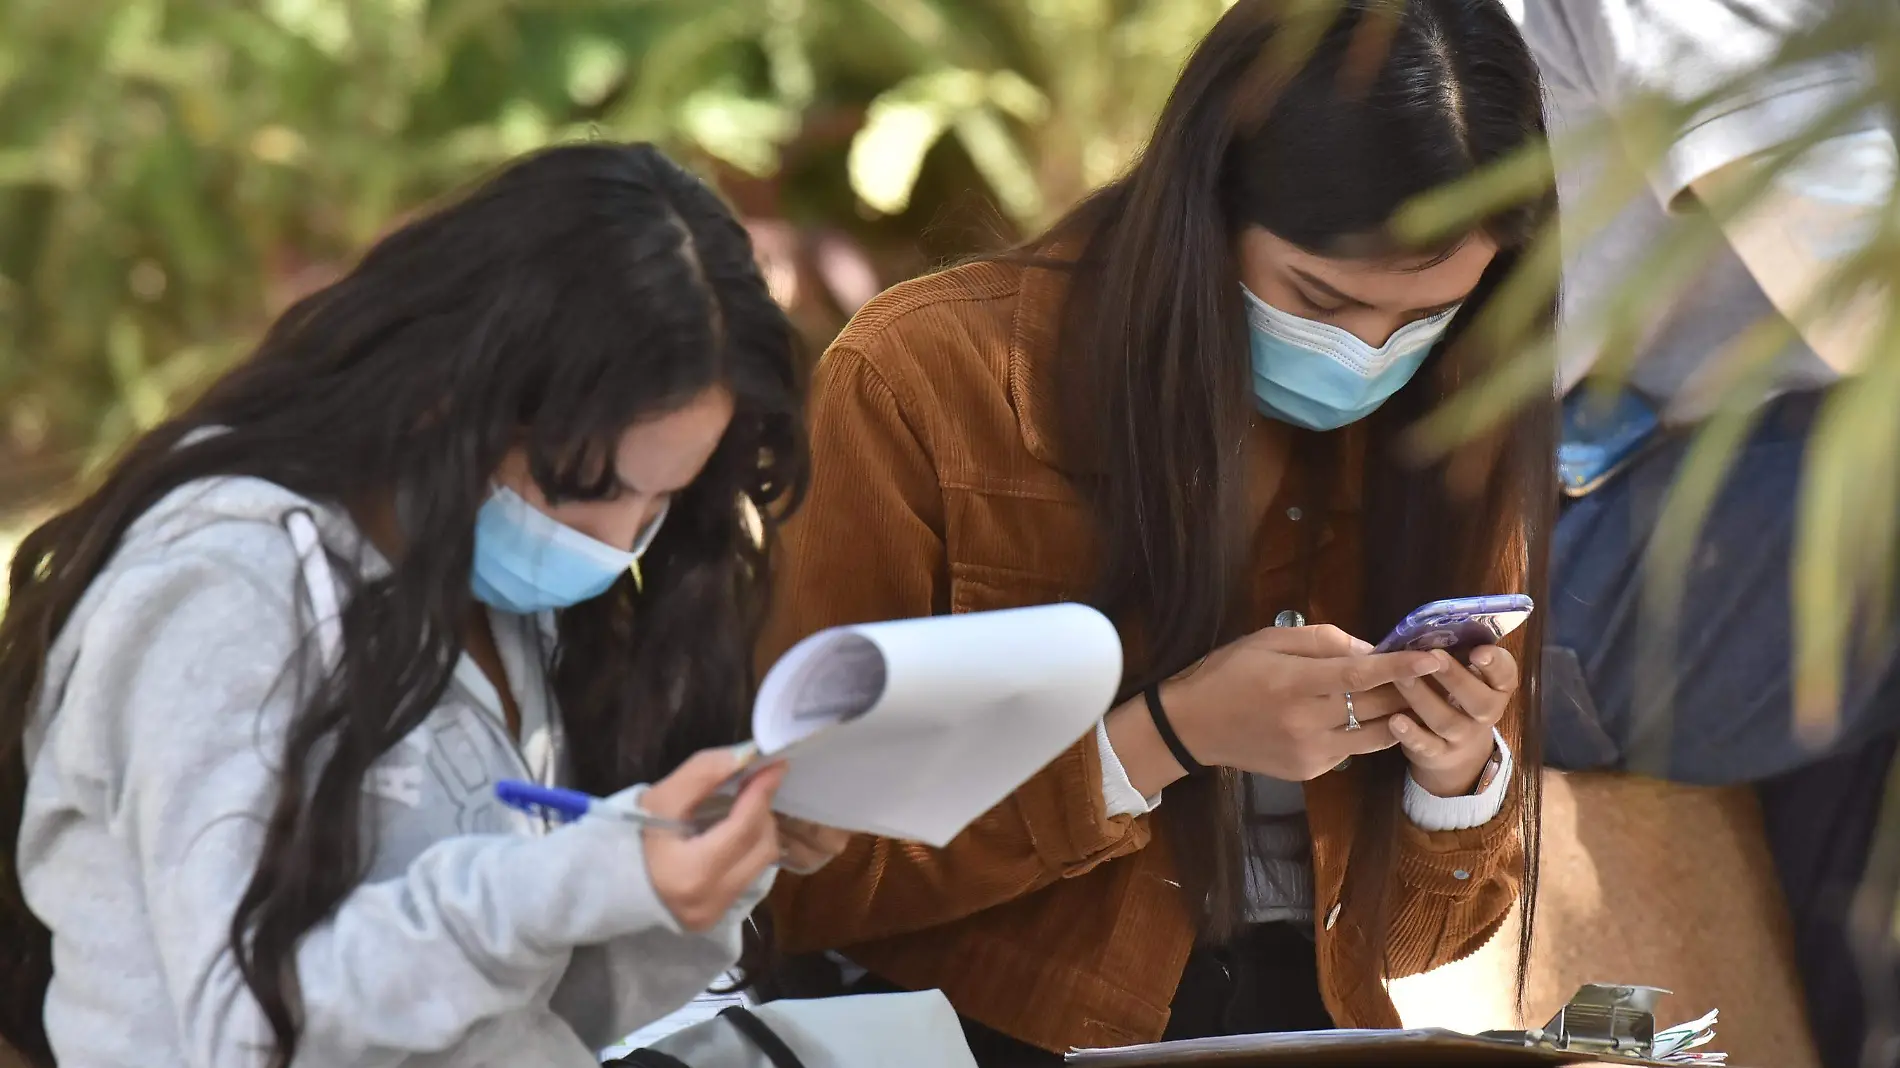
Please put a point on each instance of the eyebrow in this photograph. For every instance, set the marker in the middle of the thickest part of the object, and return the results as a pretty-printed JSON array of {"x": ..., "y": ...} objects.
[{"x": 1332, "y": 293}]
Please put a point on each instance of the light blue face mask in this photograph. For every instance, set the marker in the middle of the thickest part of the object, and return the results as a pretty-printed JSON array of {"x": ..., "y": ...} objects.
[
  {"x": 1321, "y": 377},
  {"x": 527, "y": 561}
]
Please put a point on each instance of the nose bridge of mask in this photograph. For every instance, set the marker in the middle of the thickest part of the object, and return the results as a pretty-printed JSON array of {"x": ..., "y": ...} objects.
[
  {"x": 1320, "y": 377},
  {"x": 1343, "y": 346},
  {"x": 542, "y": 533},
  {"x": 528, "y": 561}
]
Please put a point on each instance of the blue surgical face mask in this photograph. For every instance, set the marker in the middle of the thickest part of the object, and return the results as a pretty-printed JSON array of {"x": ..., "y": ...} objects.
[
  {"x": 1320, "y": 377},
  {"x": 527, "y": 561}
]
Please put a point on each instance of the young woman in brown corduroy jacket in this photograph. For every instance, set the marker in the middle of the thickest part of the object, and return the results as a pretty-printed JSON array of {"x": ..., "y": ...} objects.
[{"x": 1184, "y": 404}]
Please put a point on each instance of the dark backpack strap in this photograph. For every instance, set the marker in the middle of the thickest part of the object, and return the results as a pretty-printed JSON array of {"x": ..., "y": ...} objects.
[
  {"x": 769, "y": 1043},
  {"x": 647, "y": 1058}
]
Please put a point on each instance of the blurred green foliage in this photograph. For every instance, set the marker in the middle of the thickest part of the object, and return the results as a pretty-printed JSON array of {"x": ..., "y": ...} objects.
[
  {"x": 172, "y": 172},
  {"x": 1850, "y": 511}
]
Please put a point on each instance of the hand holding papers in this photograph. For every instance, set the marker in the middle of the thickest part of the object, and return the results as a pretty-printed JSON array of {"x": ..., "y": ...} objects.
[{"x": 913, "y": 729}]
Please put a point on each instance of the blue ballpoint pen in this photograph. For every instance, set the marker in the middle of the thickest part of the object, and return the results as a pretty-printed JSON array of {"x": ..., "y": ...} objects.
[{"x": 565, "y": 804}]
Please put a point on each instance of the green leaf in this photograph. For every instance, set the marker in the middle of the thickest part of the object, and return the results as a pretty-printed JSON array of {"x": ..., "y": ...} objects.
[
  {"x": 594, "y": 66},
  {"x": 1017, "y": 98},
  {"x": 903, "y": 124},
  {"x": 1846, "y": 538},
  {"x": 143, "y": 400},
  {"x": 1002, "y": 163},
  {"x": 888, "y": 152},
  {"x": 793, "y": 72},
  {"x": 1511, "y": 323},
  {"x": 744, "y": 131},
  {"x": 323, "y": 23},
  {"x": 901, "y": 127},
  {"x": 1670, "y": 557},
  {"x": 1452, "y": 211}
]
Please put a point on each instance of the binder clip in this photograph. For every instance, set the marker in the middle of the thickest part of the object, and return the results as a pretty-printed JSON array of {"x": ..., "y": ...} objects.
[{"x": 1601, "y": 1019}]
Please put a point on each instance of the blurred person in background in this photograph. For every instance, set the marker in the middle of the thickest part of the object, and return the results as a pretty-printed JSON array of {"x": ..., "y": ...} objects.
[
  {"x": 1729, "y": 718},
  {"x": 1182, "y": 404},
  {"x": 258, "y": 687}
]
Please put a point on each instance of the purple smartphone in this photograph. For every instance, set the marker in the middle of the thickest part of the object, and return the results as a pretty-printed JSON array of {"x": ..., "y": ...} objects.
[{"x": 1459, "y": 624}]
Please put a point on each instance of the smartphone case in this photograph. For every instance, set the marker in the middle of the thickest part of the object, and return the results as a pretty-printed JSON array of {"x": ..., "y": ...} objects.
[
  {"x": 1459, "y": 623},
  {"x": 1600, "y": 440}
]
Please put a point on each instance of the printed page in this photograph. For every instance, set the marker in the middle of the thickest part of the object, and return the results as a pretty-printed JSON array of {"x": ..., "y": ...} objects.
[
  {"x": 823, "y": 681},
  {"x": 913, "y": 729}
]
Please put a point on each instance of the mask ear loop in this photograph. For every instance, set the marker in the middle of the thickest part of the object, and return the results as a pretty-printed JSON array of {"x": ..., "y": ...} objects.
[{"x": 643, "y": 541}]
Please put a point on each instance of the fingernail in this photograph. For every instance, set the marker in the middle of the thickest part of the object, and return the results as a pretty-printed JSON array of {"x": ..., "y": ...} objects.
[
  {"x": 1399, "y": 726},
  {"x": 1482, "y": 657},
  {"x": 1361, "y": 646},
  {"x": 1407, "y": 684},
  {"x": 1445, "y": 662},
  {"x": 1425, "y": 665}
]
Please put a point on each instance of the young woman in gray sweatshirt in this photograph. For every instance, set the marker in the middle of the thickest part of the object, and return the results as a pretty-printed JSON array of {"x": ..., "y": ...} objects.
[{"x": 498, "y": 504}]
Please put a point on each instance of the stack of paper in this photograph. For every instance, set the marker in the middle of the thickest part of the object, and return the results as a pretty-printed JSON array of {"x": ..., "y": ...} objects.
[
  {"x": 1426, "y": 1048},
  {"x": 1677, "y": 1044},
  {"x": 702, "y": 1008}
]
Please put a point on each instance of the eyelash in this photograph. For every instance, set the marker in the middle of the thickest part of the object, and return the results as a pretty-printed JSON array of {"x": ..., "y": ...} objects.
[{"x": 1321, "y": 309}]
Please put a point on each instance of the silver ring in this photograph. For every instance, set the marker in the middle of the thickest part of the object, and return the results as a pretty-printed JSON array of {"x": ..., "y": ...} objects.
[{"x": 1352, "y": 719}]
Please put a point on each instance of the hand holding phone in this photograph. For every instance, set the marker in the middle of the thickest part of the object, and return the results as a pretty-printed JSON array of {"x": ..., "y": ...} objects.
[
  {"x": 1447, "y": 734},
  {"x": 1275, "y": 702}
]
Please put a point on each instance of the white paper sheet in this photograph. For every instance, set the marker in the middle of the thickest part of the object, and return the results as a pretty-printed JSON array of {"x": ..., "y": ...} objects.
[
  {"x": 913, "y": 729},
  {"x": 702, "y": 1008}
]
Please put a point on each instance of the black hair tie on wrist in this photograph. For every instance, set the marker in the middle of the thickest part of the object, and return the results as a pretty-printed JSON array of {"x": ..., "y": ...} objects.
[{"x": 1168, "y": 737}]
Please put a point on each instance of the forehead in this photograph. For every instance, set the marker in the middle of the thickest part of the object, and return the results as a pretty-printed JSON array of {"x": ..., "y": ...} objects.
[
  {"x": 1397, "y": 281},
  {"x": 664, "y": 453}
]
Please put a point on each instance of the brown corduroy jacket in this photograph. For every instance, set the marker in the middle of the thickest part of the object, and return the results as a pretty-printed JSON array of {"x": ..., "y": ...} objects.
[{"x": 939, "y": 486}]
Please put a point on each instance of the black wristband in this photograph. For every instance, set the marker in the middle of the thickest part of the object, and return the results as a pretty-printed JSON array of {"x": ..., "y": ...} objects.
[{"x": 1172, "y": 740}]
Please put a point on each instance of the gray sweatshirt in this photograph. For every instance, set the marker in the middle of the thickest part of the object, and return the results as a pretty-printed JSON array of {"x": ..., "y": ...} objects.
[{"x": 481, "y": 936}]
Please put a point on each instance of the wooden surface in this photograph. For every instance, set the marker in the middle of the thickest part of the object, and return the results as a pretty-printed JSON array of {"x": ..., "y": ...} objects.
[{"x": 1651, "y": 883}]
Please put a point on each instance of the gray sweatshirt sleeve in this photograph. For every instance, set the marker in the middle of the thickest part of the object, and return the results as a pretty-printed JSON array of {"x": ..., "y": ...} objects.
[
  {"x": 175, "y": 712},
  {"x": 609, "y": 988}
]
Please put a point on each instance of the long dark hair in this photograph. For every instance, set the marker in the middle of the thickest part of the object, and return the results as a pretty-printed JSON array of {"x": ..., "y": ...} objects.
[
  {"x": 575, "y": 293},
  {"x": 1320, "y": 147}
]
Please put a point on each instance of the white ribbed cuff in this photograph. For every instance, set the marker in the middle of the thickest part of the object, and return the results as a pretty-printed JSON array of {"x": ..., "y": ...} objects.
[
  {"x": 1118, "y": 793},
  {"x": 1433, "y": 813}
]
